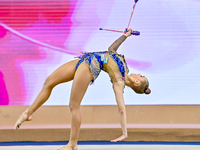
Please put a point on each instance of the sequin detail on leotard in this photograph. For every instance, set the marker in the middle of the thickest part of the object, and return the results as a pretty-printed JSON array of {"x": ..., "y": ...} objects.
[{"x": 93, "y": 59}]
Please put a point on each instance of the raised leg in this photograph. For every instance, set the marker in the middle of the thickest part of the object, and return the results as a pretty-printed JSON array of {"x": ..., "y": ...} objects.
[
  {"x": 63, "y": 74},
  {"x": 80, "y": 84}
]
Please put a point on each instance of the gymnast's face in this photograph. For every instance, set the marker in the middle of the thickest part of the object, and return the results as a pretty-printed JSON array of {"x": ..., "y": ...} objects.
[
  {"x": 139, "y": 84},
  {"x": 138, "y": 77}
]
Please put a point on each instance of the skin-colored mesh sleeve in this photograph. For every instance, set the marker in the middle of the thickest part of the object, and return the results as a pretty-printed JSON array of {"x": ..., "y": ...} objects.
[{"x": 117, "y": 43}]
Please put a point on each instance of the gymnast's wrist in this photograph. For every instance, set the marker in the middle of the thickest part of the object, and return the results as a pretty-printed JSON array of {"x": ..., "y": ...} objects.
[{"x": 126, "y": 35}]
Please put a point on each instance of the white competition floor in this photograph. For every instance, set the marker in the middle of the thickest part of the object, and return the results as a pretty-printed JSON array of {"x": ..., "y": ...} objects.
[
  {"x": 101, "y": 145},
  {"x": 107, "y": 147}
]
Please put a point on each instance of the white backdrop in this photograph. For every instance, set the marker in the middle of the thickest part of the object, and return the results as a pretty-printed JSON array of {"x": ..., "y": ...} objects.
[{"x": 169, "y": 40}]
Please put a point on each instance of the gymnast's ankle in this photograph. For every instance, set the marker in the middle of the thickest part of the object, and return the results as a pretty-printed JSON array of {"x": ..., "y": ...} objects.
[
  {"x": 73, "y": 145},
  {"x": 68, "y": 147}
]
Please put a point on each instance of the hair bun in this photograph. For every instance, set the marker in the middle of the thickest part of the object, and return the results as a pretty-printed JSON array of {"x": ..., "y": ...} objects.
[{"x": 147, "y": 91}]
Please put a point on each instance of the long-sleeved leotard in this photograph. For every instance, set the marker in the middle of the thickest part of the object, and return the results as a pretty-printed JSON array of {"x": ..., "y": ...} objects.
[{"x": 109, "y": 61}]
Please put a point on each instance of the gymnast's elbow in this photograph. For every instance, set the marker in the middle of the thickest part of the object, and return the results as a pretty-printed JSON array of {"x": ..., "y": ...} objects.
[{"x": 122, "y": 111}]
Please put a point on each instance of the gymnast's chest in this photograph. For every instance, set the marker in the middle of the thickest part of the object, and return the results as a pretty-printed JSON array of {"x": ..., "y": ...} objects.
[{"x": 110, "y": 65}]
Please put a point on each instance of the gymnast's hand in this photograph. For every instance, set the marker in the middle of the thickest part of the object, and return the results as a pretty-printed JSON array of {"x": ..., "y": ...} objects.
[
  {"x": 128, "y": 33},
  {"x": 119, "y": 138}
]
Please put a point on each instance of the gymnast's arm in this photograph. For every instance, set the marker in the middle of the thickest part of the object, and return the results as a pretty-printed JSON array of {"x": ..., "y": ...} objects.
[
  {"x": 118, "y": 87},
  {"x": 119, "y": 41}
]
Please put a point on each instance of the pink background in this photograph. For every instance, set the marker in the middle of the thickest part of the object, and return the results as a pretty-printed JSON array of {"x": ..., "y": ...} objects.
[{"x": 37, "y": 36}]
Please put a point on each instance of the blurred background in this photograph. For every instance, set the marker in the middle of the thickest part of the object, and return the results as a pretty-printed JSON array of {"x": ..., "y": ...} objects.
[{"x": 37, "y": 36}]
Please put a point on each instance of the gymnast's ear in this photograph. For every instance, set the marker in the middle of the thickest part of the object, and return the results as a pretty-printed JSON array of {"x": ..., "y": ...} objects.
[
  {"x": 147, "y": 91},
  {"x": 137, "y": 82}
]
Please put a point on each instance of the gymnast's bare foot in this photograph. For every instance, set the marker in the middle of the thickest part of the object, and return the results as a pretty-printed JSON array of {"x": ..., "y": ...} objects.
[
  {"x": 23, "y": 117},
  {"x": 68, "y": 147}
]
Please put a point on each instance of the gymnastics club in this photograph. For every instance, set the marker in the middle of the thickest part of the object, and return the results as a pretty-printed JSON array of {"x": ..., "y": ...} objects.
[
  {"x": 131, "y": 15},
  {"x": 133, "y": 32}
]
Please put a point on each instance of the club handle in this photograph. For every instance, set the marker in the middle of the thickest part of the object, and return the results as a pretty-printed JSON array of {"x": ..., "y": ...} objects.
[{"x": 135, "y": 33}]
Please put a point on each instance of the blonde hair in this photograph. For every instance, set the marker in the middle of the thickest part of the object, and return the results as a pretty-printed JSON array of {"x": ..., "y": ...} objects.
[{"x": 140, "y": 89}]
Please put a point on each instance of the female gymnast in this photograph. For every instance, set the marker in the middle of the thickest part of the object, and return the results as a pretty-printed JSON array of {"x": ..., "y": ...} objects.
[{"x": 82, "y": 71}]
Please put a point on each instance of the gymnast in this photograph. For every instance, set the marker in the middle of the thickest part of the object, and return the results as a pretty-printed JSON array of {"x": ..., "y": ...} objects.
[{"x": 84, "y": 71}]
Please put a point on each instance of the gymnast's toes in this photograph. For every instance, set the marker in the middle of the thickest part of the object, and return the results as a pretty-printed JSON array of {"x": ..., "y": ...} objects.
[
  {"x": 67, "y": 147},
  {"x": 23, "y": 117}
]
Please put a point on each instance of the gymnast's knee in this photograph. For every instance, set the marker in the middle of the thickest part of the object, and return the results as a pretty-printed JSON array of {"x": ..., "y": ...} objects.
[
  {"x": 73, "y": 107},
  {"x": 49, "y": 83}
]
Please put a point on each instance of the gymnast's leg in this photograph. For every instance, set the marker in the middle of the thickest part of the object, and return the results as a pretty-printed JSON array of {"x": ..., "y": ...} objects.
[
  {"x": 80, "y": 84},
  {"x": 64, "y": 73}
]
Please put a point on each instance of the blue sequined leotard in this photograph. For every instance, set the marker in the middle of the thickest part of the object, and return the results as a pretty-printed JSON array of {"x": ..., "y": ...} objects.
[{"x": 109, "y": 61}]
